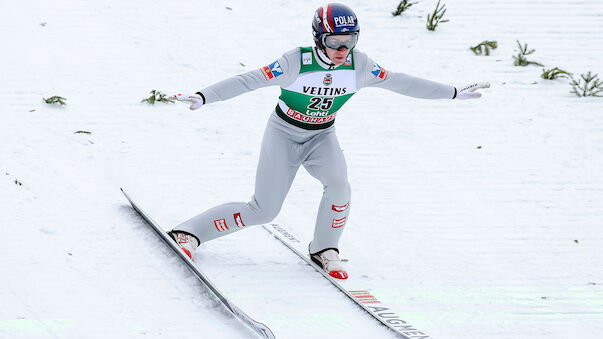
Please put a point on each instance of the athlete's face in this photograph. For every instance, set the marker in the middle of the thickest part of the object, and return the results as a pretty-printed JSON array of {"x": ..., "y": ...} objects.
[{"x": 338, "y": 56}]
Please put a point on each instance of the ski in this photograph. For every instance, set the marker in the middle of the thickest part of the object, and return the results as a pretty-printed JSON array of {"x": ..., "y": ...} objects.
[
  {"x": 362, "y": 297},
  {"x": 256, "y": 326}
]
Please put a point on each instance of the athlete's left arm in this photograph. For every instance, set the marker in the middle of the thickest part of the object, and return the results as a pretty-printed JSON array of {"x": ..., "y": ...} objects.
[{"x": 371, "y": 74}]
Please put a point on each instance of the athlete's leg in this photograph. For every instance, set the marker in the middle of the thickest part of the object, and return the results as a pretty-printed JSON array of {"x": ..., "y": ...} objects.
[
  {"x": 275, "y": 173},
  {"x": 327, "y": 163}
]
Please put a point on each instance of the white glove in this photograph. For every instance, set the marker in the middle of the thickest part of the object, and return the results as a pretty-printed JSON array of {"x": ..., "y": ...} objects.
[
  {"x": 469, "y": 91},
  {"x": 196, "y": 100}
]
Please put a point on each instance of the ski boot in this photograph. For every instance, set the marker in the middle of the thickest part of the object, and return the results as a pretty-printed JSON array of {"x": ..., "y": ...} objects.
[
  {"x": 186, "y": 241},
  {"x": 329, "y": 260}
]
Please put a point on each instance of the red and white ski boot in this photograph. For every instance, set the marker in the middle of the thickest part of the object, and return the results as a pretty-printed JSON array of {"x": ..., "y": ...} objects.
[
  {"x": 329, "y": 261},
  {"x": 186, "y": 241}
]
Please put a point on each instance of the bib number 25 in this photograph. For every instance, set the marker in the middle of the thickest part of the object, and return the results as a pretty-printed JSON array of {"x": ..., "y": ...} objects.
[{"x": 319, "y": 103}]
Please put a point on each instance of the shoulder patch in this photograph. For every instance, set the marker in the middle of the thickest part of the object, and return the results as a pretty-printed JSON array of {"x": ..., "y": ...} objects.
[
  {"x": 307, "y": 58},
  {"x": 379, "y": 72},
  {"x": 272, "y": 71}
]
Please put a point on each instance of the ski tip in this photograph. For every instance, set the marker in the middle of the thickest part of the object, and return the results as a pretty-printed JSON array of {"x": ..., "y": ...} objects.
[{"x": 124, "y": 193}]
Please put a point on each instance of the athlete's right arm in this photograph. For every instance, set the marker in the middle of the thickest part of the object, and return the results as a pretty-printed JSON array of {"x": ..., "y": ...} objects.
[{"x": 279, "y": 72}]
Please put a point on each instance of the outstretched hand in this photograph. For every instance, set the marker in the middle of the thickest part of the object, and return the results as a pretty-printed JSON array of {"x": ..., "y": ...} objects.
[
  {"x": 196, "y": 100},
  {"x": 469, "y": 91}
]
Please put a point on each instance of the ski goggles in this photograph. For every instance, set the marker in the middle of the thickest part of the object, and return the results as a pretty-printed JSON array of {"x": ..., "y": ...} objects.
[{"x": 336, "y": 41}]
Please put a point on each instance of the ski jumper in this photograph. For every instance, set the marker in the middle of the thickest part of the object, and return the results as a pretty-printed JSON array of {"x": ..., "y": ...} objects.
[{"x": 299, "y": 132}]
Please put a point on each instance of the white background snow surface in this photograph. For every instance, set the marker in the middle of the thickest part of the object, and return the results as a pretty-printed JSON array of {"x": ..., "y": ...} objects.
[{"x": 471, "y": 219}]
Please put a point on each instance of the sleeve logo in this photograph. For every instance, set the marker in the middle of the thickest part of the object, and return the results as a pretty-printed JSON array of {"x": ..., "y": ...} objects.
[
  {"x": 272, "y": 71},
  {"x": 379, "y": 72}
]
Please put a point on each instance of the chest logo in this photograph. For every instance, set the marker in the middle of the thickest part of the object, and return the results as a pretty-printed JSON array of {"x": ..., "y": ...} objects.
[
  {"x": 348, "y": 60},
  {"x": 307, "y": 58},
  {"x": 328, "y": 80}
]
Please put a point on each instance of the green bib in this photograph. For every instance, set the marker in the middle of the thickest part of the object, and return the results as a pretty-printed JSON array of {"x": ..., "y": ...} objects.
[{"x": 313, "y": 99}]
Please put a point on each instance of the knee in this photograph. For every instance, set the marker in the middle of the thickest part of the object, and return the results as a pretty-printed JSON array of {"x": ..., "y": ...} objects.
[
  {"x": 264, "y": 212},
  {"x": 338, "y": 190},
  {"x": 268, "y": 216}
]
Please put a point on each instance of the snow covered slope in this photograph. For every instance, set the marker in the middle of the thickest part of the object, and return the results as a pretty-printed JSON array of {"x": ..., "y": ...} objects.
[{"x": 479, "y": 219}]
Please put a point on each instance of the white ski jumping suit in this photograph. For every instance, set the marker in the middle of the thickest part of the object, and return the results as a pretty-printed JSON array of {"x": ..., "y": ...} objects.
[{"x": 300, "y": 131}]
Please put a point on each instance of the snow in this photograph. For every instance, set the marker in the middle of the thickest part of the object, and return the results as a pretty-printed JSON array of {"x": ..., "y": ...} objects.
[{"x": 471, "y": 219}]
